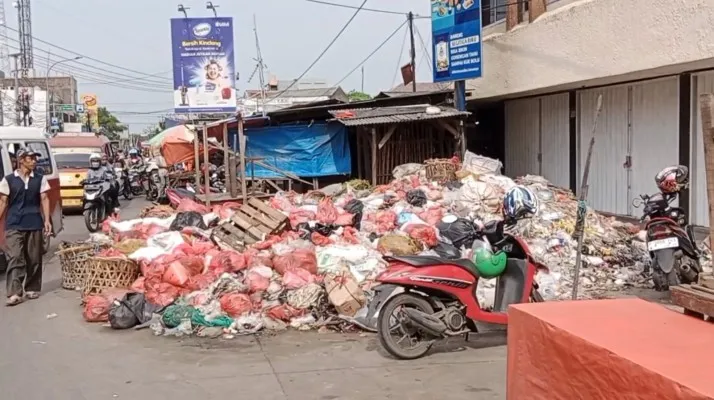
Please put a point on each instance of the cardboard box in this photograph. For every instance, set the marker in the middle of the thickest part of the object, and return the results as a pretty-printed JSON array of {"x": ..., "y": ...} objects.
[
  {"x": 344, "y": 294},
  {"x": 608, "y": 349}
]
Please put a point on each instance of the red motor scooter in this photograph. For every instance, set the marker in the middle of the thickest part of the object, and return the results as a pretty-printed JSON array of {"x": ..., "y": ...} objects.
[{"x": 439, "y": 298}]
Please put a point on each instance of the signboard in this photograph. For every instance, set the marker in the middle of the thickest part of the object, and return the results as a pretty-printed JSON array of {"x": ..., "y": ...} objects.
[
  {"x": 32, "y": 103},
  {"x": 79, "y": 108},
  {"x": 203, "y": 65},
  {"x": 91, "y": 115},
  {"x": 64, "y": 107},
  {"x": 456, "y": 39}
]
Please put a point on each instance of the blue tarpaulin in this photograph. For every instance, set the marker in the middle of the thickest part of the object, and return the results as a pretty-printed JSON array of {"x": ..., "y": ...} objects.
[{"x": 304, "y": 150}]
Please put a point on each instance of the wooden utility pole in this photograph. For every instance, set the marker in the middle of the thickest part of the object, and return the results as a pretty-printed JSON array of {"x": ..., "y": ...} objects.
[
  {"x": 706, "y": 104},
  {"x": 412, "y": 52}
]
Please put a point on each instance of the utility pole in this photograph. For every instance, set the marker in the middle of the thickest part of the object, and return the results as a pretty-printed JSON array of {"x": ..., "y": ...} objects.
[
  {"x": 18, "y": 108},
  {"x": 413, "y": 51},
  {"x": 260, "y": 66},
  {"x": 362, "y": 90}
]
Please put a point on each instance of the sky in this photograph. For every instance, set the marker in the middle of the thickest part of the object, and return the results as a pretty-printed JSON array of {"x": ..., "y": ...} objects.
[{"x": 132, "y": 37}]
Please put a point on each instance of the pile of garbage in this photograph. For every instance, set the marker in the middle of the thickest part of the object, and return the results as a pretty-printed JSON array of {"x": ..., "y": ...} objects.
[{"x": 319, "y": 273}]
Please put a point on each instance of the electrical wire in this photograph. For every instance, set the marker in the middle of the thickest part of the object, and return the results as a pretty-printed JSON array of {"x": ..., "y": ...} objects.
[
  {"x": 424, "y": 48},
  {"x": 327, "y": 3},
  {"x": 344, "y": 28},
  {"x": 91, "y": 58},
  {"x": 399, "y": 57},
  {"x": 372, "y": 53}
]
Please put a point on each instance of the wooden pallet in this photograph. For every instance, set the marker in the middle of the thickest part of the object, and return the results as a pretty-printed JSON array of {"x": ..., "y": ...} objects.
[
  {"x": 252, "y": 223},
  {"x": 697, "y": 300}
]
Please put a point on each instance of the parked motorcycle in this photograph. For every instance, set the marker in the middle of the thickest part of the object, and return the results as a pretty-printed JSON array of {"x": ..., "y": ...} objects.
[
  {"x": 96, "y": 203},
  {"x": 670, "y": 239},
  {"x": 153, "y": 181},
  {"x": 122, "y": 176},
  {"x": 439, "y": 298}
]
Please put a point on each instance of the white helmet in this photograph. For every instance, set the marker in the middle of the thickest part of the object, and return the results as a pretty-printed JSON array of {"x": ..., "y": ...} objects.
[{"x": 95, "y": 160}]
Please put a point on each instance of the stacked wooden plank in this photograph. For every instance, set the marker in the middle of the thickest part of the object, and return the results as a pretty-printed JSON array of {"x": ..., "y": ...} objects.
[
  {"x": 252, "y": 223},
  {"x": 697, "y": 300}
]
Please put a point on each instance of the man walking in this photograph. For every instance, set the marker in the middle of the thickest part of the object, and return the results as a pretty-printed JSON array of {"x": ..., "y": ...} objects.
[{"x": 23, "y": 195}]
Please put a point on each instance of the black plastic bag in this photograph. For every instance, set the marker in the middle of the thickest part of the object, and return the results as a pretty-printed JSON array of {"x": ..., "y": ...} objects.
[
  {"x": 356, "y": 208},
  {"x": 453, "y": 185},
  {"x": 461, "y": 232},
  {"x": 130, "y": 311},
  {"x": 447, "y": 251},
  {"x": 188, "y": 218},
  {"x": 416, "y": 197},
  {"x": 306, "y": 229}
]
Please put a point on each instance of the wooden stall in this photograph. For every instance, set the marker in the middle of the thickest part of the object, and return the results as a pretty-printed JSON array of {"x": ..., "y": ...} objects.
[{"x": 387, "y": 137}]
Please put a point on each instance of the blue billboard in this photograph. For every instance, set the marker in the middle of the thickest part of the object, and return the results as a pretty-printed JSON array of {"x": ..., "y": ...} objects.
[
  {"x": 203, "y": 65},
  {"x": 456, "y": 39}
]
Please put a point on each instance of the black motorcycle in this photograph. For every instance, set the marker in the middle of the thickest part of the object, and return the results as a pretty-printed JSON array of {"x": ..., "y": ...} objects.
[
  {"x": 136, "y": 181},
  {"x": 96, "y": 203},
  {"x": 670, "y": 239}
]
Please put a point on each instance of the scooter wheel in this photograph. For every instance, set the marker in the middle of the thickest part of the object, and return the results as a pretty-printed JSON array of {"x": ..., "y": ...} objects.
[{"x": 387, "y": 322}]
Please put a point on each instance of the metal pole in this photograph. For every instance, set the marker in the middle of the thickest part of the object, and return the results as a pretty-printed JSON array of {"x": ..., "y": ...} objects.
[
  {"x": 413, "y": 51},
  {"x": 50, "y": 99},
  {"x": 18, "y": 120}
]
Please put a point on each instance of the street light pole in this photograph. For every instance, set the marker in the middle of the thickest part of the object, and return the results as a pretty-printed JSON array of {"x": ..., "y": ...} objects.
[{"x": 47, "y": 87}]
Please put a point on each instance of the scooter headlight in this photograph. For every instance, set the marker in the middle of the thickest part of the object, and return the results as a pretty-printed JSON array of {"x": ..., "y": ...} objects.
[{"x": 91, "y": 196}]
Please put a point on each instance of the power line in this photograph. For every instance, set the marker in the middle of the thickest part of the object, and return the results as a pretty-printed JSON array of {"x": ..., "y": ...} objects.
[
  {"x": 327, "y": 3},
  {"x": 372, "y": 53},
  {"x": 424, "y": 48},
  {"x": 399, "y": 57},
  {"x": 90, "y": 58},
  {"x": 349, "y": 21}
]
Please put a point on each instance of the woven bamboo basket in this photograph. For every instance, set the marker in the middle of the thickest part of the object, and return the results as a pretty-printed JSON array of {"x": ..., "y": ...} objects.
[
  {"x": 109, "y": 272},
  {"x": 440, "y": 170},
  {"x": 73, "y": 262}
]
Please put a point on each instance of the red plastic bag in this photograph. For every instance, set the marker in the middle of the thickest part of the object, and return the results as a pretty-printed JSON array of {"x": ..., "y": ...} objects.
[
  {"x": 267, "y": 243},
  {"x": 300, "y": 216},
  {"x": 423, "y": 233},
  {"x": 432, "y": 216},
  {"x": 297, "y": 278},
  {"x": 161, "y": 294},
  {"x": 284, "y": 312},
  {"x": 200, "y": 282},
  {"x": 381, "y": 222},
  {"x": 256, "y": 281},
  {"x": 326, "y": 211},
  {"x": 226, "y": 261},
  {"x": 254, "y": 258},
  {"x": 176, "y": 274},
  {"x": 138, "y": 285},
  {"x": 350, "y": 235},
  {"x": 96, "y": 307},
  {"x": 111, "y": 252},
  {"x": 186, "y": 204},
  {"x": 193, "y": 264},
  {"x": 300, "y": 258},
  {"x": 319, "y": 239},
  {"x": 345, "y": 219},
  {"x": 236, "y": 304}
]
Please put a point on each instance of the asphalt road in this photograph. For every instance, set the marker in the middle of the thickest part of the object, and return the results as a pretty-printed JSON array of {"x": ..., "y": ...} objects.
[{"x": 47, "y": 351}]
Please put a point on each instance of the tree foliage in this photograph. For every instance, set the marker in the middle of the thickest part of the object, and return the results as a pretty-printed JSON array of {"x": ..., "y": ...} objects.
[
  {"x": 355, "y": 95},
  {"x": 109, "y": 123}
]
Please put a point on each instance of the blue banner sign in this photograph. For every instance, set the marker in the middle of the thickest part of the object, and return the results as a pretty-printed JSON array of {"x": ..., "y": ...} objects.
[
  {"x": 203, "y": 65},
  {"x": 456, "y": 38}
]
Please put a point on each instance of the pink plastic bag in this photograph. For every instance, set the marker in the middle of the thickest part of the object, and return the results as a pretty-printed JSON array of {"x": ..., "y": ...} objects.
[
  {"x": 297, "y": 278},
  {"x": 236, "y": 304},
  {"x": 431, "y": 216},
  {"x": 176, "y": 274},
  {"x": 345, "y": 219},
  {"x": 298, "y": 259},
  {"x": 189, "y": 205},
  {"x": 300, "y": 216},
  {"x": 350, "y": 235},
  {"x": 256, "y": 281},
  {"x": 319, "y": 239},
  {"x": 326, "y": 211},
  {"x": 424, "y": 233}
]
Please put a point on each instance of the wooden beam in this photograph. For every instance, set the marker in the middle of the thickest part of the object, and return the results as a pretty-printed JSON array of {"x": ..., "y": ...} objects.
[
  {"x": 207, "y": 181},
  {"x": 387, "y": 136},
  {"x": 229, "y": 182},
  {"x": 357, "y": 132},
  {"x": 373, "y": 143},
  {"x": 449, "y": 128},
  {"x": 241, "y": 144},
  {"x": 707, "y": 111},
  {"x": 536, "y": 8},
  {"x": 196, "y": 160},
  {"x": 232, "y": 175},
  {"x": 692, "y": 300},
  {"x": 512, "y": 14}
]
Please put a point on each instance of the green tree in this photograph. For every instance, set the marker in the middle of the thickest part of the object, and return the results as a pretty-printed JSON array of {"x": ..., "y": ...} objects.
[
  {"x": 358, "y": 96},
  {"x": 110, "y": 124}
]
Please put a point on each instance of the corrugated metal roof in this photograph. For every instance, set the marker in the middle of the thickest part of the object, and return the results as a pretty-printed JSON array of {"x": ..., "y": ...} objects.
[{"x": 393, "y": 115}]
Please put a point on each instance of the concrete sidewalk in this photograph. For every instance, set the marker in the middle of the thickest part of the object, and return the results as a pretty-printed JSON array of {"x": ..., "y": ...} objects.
[{"x": 66, "y": 358}]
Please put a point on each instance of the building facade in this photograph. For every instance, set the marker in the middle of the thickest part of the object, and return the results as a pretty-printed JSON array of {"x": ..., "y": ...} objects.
[{"x": 547, "y": 62}]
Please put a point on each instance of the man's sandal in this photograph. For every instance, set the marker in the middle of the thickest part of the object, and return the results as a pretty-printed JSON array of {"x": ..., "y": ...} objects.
[{"x": 13, "y": 300}]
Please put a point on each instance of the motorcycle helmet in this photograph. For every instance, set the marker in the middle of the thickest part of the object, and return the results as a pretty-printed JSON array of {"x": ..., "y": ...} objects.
[
  {"x": 95, "y": 161},
  {"x": 519, "y": 202},
  {"x": 672, "y": 179},
  {"x": 488, "y": 264}
]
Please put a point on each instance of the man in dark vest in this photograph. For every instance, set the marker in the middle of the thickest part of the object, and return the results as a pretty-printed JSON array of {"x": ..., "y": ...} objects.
[{"x": 24, "y": 201}]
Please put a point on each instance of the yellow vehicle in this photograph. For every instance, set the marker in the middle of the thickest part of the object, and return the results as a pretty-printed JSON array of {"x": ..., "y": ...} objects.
[{"x": 71, "y": 152}]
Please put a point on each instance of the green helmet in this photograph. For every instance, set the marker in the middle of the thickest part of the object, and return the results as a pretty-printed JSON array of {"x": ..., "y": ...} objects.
[{"x": 488, "y": 264}]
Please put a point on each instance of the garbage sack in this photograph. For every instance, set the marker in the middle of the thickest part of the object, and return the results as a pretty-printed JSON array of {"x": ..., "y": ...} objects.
[
  {"x": 416, "y": 197},
  {"x": 480, "y": 165},
  {"x": 175, "y": 314},
  {"x": 398, "y": 245},
  {"x": 236, "y": 304},
  {"x": 403, "y": 170},
  {"x": 447, "y": 251},
  {"x": 297, "y": 278},
  {"x": 423, "y": 233},
  {"x": 298, "y": 258},
  {"x": 305, "y": 297},
  {"x": 96, "y": 307},
  {"x": 188, "y": 218},
  {"x": 344, "y": 294},
  {"x": 300, "y": 216},
  {"x": 356, "y": 208},
  {"x": 133, "y": 309},
  {"x": 326, "y": 211},
  {"x": 461, "y": 232}
]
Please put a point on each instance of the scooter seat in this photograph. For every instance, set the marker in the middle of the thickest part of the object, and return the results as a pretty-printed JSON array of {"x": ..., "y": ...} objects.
[{"x": 430, "y": 261}]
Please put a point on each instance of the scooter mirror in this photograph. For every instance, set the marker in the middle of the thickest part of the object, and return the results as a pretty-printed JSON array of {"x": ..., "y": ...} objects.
[{"x": 636, "y": 202}]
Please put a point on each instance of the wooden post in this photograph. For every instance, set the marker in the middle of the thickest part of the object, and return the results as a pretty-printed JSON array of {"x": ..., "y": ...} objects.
[
  {"x": 706, "y": 104},
  {"x": 513, "y": 10},
  {"x": 206, "y": 176},
  {"x": 241, "y": 144},
  {"x": 229, "y": 182},
  {"x": 536, "y": 8},
  {"x": 374, "y": 156},
  {"x": 462, "y": 139},
  {"x": 232, "y": 175},
  {"x": 196, "y": 160}
]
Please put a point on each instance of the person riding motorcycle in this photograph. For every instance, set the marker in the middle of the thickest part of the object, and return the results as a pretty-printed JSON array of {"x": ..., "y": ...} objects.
[
  {"x": 518, "y": 203},
  {"x": 135, "y": 159},
  {"x": 99, "y": 169}
]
